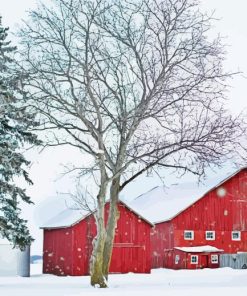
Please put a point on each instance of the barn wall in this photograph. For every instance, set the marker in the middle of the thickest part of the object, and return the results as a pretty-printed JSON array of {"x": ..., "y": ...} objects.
[
  {"x": 162, "y": 240},
  {"x": 204, "y": 261},
  {"x": 184, "y": 260},
  {"x": 223, "y": 240},
  {"x": 131, "y": 251},
  {"x": 57, "y": 251},
  {"x": 131, "y": 243},
  {"x": 170, "y": 256},
  {"x": 83, "y": 234}
]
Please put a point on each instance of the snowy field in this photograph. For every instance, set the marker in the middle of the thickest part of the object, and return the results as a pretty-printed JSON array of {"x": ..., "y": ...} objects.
[{"x": 163, "y": 282}]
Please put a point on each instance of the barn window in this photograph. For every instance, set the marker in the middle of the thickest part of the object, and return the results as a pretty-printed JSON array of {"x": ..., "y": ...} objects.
[
  {"x": 188, "y": 234},
  {"x": 177, "y": 259},
  {"x": 214, "y": 259},
  {"x": 194, "y": 259},
  {"x": 236, "y": 235},
  {"x": 210, "y": 235}
]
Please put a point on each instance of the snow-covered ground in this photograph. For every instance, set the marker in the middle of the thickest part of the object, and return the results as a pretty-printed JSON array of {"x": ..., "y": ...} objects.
[{"x": 165, "y": 282}]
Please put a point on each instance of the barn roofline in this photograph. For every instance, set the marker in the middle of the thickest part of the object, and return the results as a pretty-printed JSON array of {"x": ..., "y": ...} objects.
[
  {"x": 90, "y": 213},
  {"x": 69, "y": 225},
  {"x": 135, "y": 212},
  {"x": 199, "y": 198},
  {"x": 199, "y": 249}
]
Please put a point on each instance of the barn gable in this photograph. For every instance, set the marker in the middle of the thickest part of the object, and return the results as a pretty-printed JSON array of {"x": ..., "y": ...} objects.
[
  {"x": 68, "y": 243},
  {"x": 69, "y": 217}
]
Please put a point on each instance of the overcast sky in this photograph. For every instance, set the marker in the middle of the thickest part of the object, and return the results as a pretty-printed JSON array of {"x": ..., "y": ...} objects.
[
  {"x": 232, "y": 24},
  {"x": 45, "y": 169}
]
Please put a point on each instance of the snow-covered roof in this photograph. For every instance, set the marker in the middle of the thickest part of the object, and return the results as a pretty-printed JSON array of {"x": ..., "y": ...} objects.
[
  {"x": 69, "y": 217},
  {"x": 199, "y": 249},
  {"x": 164, "y": 203},
  {"x": 66, "y": 218}
]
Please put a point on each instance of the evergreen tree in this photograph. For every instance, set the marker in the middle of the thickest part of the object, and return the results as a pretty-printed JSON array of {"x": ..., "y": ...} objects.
[{"x": 15, "y": 124}]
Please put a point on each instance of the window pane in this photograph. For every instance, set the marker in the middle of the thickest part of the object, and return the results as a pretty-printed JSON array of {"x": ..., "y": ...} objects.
[
  {"x": 210, "y": 235},
  {"x": 188, "y": 235},
  {"x": 236, "y": 235},
  {"x": 214, "y": 258},
  {"x": 194, "y": 259}
]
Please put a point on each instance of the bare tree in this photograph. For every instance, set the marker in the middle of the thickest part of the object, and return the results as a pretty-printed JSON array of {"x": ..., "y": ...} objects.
[{"x": 137, "y": 86}]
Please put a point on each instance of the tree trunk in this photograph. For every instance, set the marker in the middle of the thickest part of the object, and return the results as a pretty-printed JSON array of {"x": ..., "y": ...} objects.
[
  {"x": 96, "y": 260},
  {"x": 111, "y": 226}
]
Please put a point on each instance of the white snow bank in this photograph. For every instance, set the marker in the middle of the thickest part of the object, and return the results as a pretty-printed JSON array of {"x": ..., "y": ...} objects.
[
  {"x": 8, "y": 260},
  {"x": 199, "y": 249},
  {"x": 161, "y": 282}
]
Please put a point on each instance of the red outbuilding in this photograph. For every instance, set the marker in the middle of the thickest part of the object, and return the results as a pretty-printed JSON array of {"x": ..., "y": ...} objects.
[
  {"x": 192, "y": 257},
  {"x": 68, "y": 243},
  {"x": 194, "y": 224}
]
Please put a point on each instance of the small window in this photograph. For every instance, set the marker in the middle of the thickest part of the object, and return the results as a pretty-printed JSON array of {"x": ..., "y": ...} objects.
[
  {"x": 188, "y": 234},
  {"x": 236, "y": 235},
  {"x": 177, "y": 259},
  {"x": 210, "y": 235},
  {"x": 214, "y": 259},
  {"x": 194, "y": 259}
]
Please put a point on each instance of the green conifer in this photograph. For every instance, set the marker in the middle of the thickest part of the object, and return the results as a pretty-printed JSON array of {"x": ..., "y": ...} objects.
[{"x": 15, "y": 124}]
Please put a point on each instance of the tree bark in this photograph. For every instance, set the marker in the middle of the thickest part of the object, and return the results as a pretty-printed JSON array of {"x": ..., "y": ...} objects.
[
  {"x": 111, "y": 226},
  {"x": 96, "y": 260}
]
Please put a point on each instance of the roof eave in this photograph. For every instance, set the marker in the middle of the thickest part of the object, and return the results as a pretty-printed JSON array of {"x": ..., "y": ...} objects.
[
  {"x": 139, "y": 215},
  {"x": 90, "y": 213},
  {"x": 199, "y": 198}
]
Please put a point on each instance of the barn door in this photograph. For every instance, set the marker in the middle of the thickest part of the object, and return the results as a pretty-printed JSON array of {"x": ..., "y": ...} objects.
[
  {"x": 204, "y": 261},
  {"x": 127, "y": 257}
]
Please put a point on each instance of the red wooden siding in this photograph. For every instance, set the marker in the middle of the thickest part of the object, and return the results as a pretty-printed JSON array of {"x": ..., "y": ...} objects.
[
  {"x": 57, "y": 244},
  {"x": 162, "y": 238},
  {"x": 184, "y": 260},
  {"x": 72, "y": 247},
  {"x": 212, "y": 212}
]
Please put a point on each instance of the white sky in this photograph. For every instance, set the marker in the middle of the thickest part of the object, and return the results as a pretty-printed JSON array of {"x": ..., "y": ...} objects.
[{"x": 46, "y": 166}]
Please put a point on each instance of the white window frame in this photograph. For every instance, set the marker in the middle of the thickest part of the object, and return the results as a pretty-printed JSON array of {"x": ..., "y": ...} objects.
[
  {"x": 194, "y": 256},
  {"x": 209, "y": 238},
  {"x": 177, "y": 257},
  {"x": 192, "y": 235},
  {"x": 239, "y": 236},
  {"x": 214, "y": 259}
]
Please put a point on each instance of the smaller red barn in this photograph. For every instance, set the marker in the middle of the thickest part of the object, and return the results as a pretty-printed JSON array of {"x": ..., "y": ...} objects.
[
  {"x": 68, "y": 243},
  {"x": 192, "y": 257}
]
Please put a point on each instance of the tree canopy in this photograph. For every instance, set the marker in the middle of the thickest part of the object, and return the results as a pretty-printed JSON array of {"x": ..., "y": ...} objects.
[{"x": 14, "y": 134}]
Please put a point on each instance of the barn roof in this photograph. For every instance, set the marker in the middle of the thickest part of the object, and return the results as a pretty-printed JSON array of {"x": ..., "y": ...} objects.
[
  {"x": 69, "y": 217},
  {"x": 199, "y": 249},
  {"x": 163, "y": 203}
]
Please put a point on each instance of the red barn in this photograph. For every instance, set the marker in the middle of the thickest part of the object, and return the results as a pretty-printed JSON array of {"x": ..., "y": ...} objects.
[
  {"x": 68, "y": 243},
  {"x": 193, "y": 225}
]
